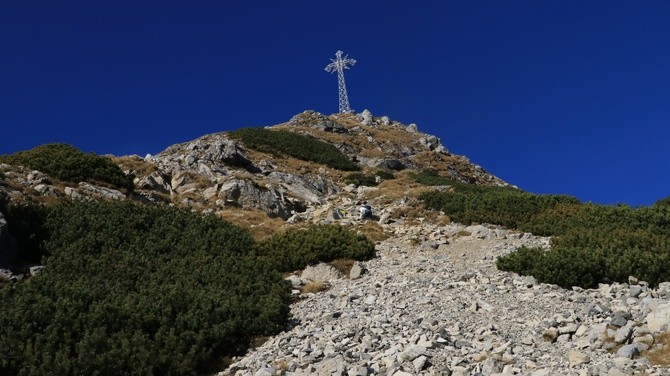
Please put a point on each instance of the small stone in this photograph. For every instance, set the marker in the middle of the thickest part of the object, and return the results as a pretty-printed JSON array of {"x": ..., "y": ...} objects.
[
  {"x": 627, "y": 351},
  {"x": 618, "y": 320},
  {"x": 576, "y": 358},
  {"x": 419, "y": 363},
  {"x": 635, "y": 291},
  {"x": 412, "y": 353},
  {"x": 356, "y": 271}
]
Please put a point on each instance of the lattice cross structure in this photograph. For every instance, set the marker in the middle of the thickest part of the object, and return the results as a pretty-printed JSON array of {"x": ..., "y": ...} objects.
[{"x": 339, "y": 64}]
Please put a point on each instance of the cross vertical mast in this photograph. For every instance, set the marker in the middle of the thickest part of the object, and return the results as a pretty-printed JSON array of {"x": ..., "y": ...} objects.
[{"x": 339, "y": 64}]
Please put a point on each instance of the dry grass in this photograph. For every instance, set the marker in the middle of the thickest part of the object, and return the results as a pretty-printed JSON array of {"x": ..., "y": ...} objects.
[
  {"x": 659, "y": 354},
  {"x": 282, "y": 365},
  {"x": 136, "y": 165},
  {"x": 256, "y": 221},
  {"x": 402, "y": 186},
  {"x": 314, "y": 287},
  {"x": 462, "y": 233},
  {"x": 373, "y": 231},
  {"x": 343, "y": 265}
]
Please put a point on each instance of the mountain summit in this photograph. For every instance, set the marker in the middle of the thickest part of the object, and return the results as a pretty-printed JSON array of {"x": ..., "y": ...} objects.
[{"x": 228, "y": 169}]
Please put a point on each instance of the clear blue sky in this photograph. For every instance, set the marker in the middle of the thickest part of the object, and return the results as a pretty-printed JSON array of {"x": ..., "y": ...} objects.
[{"x": 561, "y": 96}]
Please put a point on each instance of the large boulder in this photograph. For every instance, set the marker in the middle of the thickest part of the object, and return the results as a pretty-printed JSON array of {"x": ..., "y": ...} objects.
[
  {"x": 212, "y": 150},
  {"x": 311, "y": 189},
  {"x": 365, "y": 117},
  {"x": 154, "y": 181},
  {"x": 321, "y": 272},
  {"x": 658, "y": 319},
  {"x": 248, "y": 195}
]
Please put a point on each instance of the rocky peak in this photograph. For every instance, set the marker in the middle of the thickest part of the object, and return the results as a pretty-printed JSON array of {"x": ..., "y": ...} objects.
[{"x": 215, "y": 172}]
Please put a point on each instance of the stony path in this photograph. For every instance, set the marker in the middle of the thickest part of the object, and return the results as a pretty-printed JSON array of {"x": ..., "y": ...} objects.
[{"x": 444, "y": 309}]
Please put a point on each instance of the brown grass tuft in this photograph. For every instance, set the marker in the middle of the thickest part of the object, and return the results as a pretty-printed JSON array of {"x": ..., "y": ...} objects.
[
  {"x": 256, "y": 221},
  {"x": 343, "y": 265},
  {"x": 136, "y": 165},
  {"x": 659, "y": 354},
  {"x": 373, "y": 231},
  {"x": 314, "y": 287}
]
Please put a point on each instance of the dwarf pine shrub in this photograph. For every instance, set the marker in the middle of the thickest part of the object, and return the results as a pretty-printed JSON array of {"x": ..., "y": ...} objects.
[
  {"x": 359, "y": 179},
  {"x": 592, "y": 243},
  {"x": 150, "y": 290},
  {"x": 133, "y": 289},
  {"x": 306, "y": 148},
  {"x": 296, "y": 249},
  {"x": 68, "y": 163}
]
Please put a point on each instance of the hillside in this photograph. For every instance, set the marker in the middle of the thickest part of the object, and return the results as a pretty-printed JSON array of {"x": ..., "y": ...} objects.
[
  {"x": 433, "y": 301},
  {"x": 219, "y": 173}
]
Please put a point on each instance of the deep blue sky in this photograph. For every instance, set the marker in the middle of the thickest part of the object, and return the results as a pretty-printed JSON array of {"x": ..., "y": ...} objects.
[{"x": 561, "y": 96}]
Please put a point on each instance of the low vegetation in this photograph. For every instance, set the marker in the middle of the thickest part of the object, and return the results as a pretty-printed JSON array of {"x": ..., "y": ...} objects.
[
  {"x": 279, "y": 142},
  {"x": 296, "y": 249},
  {"x": 369, "y": 180},
  {"x": 67, "y": 163},
  {"x": 131, "y": 289},
  {"x": 591, "y": 243}
]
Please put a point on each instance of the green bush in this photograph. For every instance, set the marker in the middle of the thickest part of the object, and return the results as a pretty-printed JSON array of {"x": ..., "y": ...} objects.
[
  {"x": 385, "y": 174},
  {"x": 369, "y": 180},
  {"x": 296, "y": 249},
  {"x": 591, "y": 244},
  {"x": 431, "y": 176},
  {"x": 663, "y": 202},
  {"x": 131, "y": 289},
  {"x": 138, "y": 290},
  {"x": 294, "y": 145},
  {"x": 498, "y": 205},
  {"x": 359, "y": 179},
  {"x": 67, "y": 163}
]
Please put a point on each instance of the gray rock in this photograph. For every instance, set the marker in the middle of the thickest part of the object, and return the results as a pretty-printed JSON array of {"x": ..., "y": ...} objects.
[
  {"x": 316, "y": 120},
  {"x": 576, "y": 358},
  {"x": 35, "y": 270},
  {"x": 295, "y": 280},
  {"x": 190, "y": 159},
  {"x": 384, "y": 218},
  {"x": 101, "y": 192},
  {"x": 412, "y": 128},
  {"x": 419, "y": 363},
  {"x": 618, "y": 320},
  {"x": 627, "y": 351},
  {"x": 385, "y": 120},
  {"x": 154, "y": 181},
  {"x": 429, "y": 142},
  {"x": 635, "y": 291},
  {"x": 248, "y": 195},
  {"x": 321, "y": 272},
  {"x": 624, "y": 333},
  {"x": 658, "y": 319},
  {"x": 331, "y": 366},
  {"x": 366, "y": 117},
  {"x": 490, "y": 366},
  {"x": 412, "y": 353},
  {"x": 357, "y": 270}
]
